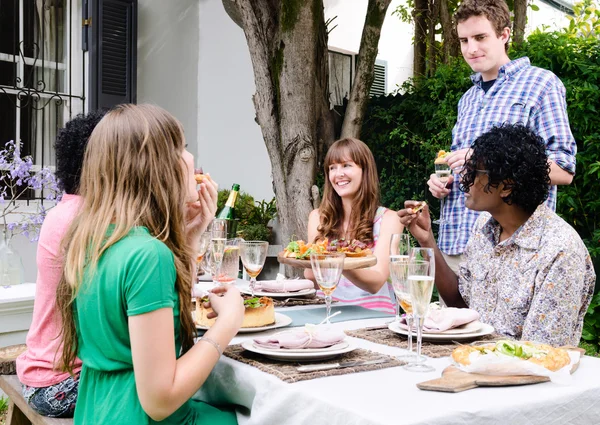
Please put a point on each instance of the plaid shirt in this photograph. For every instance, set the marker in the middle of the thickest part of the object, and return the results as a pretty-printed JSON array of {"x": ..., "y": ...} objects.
[{"x": 522, "y": 93}]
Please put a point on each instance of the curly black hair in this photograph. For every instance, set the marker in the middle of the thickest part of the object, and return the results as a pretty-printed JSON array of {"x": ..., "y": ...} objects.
[
  {"x": 513, "y": 155},
  {"x": 70, "y": 149}
]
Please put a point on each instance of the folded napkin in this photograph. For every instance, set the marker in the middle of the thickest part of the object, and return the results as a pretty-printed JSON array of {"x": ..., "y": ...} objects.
[
  {"x": 301, "y": 338},
  {"x": 285, "y": 285},
  {"x": 447, "y": 318}
]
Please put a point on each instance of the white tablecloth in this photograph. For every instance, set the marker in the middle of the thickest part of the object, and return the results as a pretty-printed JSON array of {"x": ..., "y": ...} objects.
[{"x": 390, "y": 396}]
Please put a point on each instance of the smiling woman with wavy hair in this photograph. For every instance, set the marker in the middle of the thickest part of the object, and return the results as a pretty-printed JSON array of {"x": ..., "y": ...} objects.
[
  {"x": 125, "y": 293},
  {"x": 350, "y": 210}
]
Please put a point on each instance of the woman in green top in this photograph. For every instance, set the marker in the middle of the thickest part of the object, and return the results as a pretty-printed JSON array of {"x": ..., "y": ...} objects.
[{"x": 129, "y": 262}]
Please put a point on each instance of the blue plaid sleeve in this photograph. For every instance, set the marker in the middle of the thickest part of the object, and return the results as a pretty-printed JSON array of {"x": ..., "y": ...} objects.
[{"x": 552, "y": 124}]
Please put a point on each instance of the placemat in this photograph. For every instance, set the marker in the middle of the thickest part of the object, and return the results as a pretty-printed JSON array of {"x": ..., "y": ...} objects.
[
  {"x": 286, "y": 371},
  {"x": 349, "y": 312},
  {"x": 385, "y": 336}
]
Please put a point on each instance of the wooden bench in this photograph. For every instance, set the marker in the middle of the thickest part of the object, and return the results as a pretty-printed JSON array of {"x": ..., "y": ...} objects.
[{"x": 19, "y": 412}]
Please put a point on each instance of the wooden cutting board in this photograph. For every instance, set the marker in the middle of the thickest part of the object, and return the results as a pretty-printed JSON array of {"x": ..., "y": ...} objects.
[
  {"x": 350, "y": 263},
  {"x": 454, "y": 380}
]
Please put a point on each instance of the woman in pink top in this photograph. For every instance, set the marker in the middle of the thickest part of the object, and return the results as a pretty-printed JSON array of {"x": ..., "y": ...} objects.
[
  {"x": 49, "y": 391},
  {"x": 350, "y": 210}
]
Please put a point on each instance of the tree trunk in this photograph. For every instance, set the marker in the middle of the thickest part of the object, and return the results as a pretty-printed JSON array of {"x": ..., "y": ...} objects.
[
  {"x": 520, "y": 11},
  {"x": 420, "y": 42},
  {"x": 288, "y": 48},
  {"x": 359, "y": 95},
  {"x": 449, "y": 36},
  {"x": 433, "y": 13}
]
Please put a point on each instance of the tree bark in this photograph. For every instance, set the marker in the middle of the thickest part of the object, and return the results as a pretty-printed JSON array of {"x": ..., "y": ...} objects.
[
  {"x": 433, "y": 13},
  {"x": 520, "y": 11},
  {"x": 449, "y": 36},
  {"x": 359, "y": 94},
  {"x": 288, "y": 47},
  {"x": 420, "y": 42}
]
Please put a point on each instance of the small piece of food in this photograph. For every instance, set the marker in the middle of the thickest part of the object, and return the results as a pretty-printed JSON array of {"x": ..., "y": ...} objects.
[
  {"x": 301, "y": 250},
  {"x": 544, "y": 355},
  {"x": 419, "y": 207},
  {"x": 355, "y": 248},
  {"x": 441, "y": 157},
  {"x": 199, "y": 178},
  {"x": 259, "y": 312}
]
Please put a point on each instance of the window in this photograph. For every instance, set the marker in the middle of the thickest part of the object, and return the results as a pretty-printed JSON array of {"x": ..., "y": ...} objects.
[{"x": 41, "y": 72}]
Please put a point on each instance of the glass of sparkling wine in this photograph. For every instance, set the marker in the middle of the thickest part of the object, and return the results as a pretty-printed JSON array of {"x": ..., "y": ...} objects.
[
  {"x": 421, "y": 274},
  {"x": 253, "y": 255},
  {"x": 217, "y": 244},
  {"x": 399, "y": 248},
  {"x": 327, "y": 268},
  {"x": 399, "y": 275},
  {"x": 442, "y": 171},
  {"x": 203, "y": 244}
]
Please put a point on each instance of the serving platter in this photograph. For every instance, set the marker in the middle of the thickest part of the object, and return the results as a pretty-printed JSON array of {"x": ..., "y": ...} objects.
[
  {"x": 281, "y": 320},
  {"x": 350, "y": 263}
]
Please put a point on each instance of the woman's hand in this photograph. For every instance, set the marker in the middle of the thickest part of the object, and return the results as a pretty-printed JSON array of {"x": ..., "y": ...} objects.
[
  {"x": 227, "y": 304},
  {"x": 199, "y": 214},
  {"x": 419, "y": 223}
]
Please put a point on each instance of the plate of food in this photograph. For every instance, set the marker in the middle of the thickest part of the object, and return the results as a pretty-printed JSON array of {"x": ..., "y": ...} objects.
[
  {"x": 469, "y": 331},
  {"x": 302, "y": 355},
  {"x": 259, "y": 316},
  {"x": 358, "y": 254}
]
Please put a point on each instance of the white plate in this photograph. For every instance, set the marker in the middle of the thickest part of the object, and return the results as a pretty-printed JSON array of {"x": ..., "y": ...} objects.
[
  {"x": 467, "y": 328},
  {"x": 484, "y": 330},
  {"x": 301, "y": 293},
  {"x": 311, "y": 355},
  {"x": 281, "y": 320}
]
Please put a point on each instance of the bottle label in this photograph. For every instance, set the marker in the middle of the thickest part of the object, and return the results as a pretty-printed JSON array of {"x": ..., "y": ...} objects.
[{"x": 232, "y": 198}]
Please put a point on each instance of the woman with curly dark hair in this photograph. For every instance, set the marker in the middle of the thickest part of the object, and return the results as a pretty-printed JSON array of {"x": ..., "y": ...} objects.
[
  {"x": 47, "y": 390},
  {"x": 350, "y": 210},
  {"x": 526, "y": 271}
]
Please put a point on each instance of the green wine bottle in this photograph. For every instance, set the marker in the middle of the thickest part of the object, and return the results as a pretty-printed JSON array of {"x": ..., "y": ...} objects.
[{"x": 228, "y": 211}]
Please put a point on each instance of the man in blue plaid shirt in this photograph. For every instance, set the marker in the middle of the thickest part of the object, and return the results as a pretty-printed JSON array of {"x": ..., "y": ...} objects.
[{"x": 503, "y": 91}]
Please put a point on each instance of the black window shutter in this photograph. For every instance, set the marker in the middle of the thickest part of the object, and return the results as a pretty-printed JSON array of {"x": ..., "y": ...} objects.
[{"x": 113, "y": 52}]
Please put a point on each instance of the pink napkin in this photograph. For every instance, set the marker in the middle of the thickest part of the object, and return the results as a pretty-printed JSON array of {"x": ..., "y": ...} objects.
[
  {"x": 286, "y": 285},
  {"x": 447, "y": 318},
  {"x": 301, "y": 338}
]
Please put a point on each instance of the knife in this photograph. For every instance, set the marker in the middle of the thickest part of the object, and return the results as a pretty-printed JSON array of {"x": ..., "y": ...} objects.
[{"x": 329, "y": 366}]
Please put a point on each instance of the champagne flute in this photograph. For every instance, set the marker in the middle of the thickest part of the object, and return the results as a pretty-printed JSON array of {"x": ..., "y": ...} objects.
[
  {"x": 253, "y": 255},
  {"x": 217, "y": 244},
  {"x": 327, "y": 268},
  {"x": 442, "y": 171},
  {"x": 203, "y": 244},
  {"x": 399, "y": 274},
  {"x": 421, "y": 274},
  {"x": 399, "y": 249}
]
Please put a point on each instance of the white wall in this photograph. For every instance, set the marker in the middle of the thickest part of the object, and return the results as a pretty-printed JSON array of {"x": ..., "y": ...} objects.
[
  {"x": 395, "y": 43},
  {"x": 230, "y": 143},
  {"x": 167, "y": 61}
]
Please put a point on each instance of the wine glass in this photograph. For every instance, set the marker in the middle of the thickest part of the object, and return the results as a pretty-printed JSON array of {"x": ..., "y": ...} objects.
[
  {"x": 442, "y": 171},
  {"x": 327, "y": 268},
  {"x": 217, "y": 244},
  {"x": 253, "y": 255},
  {"x": 421, "y": 274},
  {"x": 399, "y": 249},
  {"x": 399, "y": 274},
  {"x": 203, "y": 244}
]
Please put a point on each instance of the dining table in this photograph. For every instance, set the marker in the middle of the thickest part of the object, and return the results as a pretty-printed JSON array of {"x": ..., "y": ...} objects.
[{"x": 390, "y": 395}]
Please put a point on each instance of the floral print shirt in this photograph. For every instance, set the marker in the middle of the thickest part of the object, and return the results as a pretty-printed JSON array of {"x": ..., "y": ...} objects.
[{"x": 535, "y": 285}]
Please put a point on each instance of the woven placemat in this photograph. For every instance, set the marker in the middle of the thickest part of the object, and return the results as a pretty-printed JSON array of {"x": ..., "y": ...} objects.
[
  {"x": 286, "y": 371},
  {"x": 382, "y": 335}
]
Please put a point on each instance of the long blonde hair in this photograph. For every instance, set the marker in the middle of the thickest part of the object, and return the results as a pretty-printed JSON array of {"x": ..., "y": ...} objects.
[
  {"x": 132, "y": 176},
  {"x": 366, "y": 200}
]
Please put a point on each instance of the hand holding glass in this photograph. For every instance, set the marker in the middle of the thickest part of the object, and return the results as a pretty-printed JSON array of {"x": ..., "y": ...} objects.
[{"x": 327, "y": 268}]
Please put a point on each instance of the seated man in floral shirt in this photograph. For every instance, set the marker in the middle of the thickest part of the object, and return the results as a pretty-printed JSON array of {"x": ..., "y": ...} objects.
[{"x": 526, "y": 271}]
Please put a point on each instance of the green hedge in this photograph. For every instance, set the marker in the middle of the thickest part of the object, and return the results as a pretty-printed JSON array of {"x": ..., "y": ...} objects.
[{"x": 405, "y": 131}]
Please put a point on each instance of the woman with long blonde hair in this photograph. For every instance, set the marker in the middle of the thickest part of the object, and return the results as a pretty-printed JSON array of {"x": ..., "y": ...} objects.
[
  {"x": 350, "y": 210},
  {"x": 125, "y": 293}
]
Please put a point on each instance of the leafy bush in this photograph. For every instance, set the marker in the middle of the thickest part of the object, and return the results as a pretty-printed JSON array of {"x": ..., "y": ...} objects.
[{"x": 405, "y": 131}]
